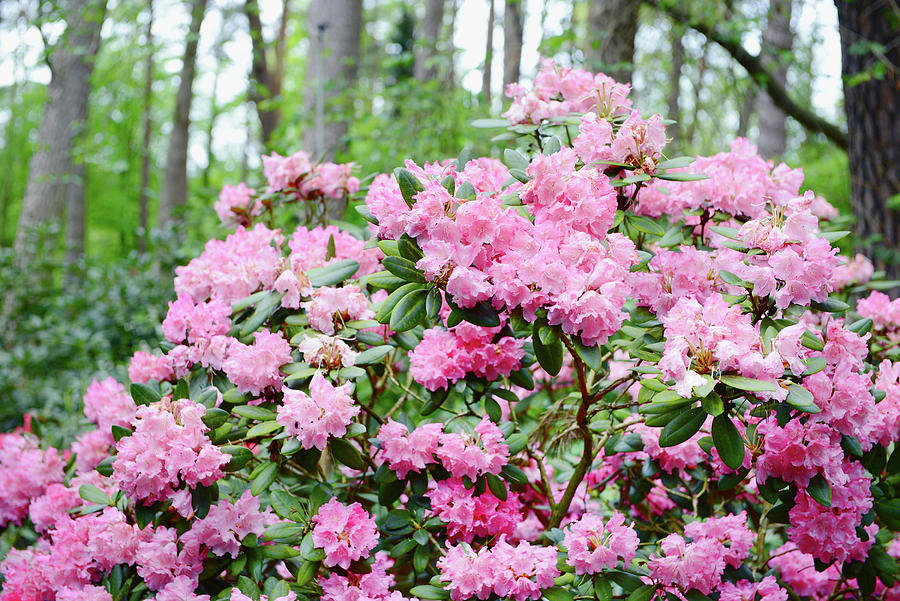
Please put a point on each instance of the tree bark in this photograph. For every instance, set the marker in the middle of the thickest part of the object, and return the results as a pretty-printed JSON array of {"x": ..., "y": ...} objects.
[
  {"x": 425, "y": 68},
  {"x": 873, "y": 124},
  {"x": 51, "y": 170},
  {"x": 777, "y": 40},
  {"x": 175, "y": 184},
  {"x": 75, "y": 213},
  {"x": 611, "y": 28},
  {"x": 147, "y": 119},
  {"x": 334, "y": 31},
  {"x": 673, "y": 101},
  {"x": 753, "y": 64},
  {"x": 488, "y": 56},
  {"x": 266, "y": 80},
  {"x": 513, "y": 24}
]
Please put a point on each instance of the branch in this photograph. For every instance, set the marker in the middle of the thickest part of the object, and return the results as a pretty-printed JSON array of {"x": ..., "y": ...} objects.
[{"x": 754, "y": 66}]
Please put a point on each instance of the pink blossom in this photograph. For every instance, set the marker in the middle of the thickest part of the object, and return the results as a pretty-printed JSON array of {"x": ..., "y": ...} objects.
[
  {"x": 159, "y": 562},
  {"x": 468, "y": 515},
  {"x": 226, "y": 525},
  {"x": 145, "y": 367},
  {"x": 371, "y": 586},
  {"x": 106, "y": 404},
  {"x": 798, "y": 571},
  {"x": 766, "y": 589},
  {"x": 309, "y": 249},
  {"x": 284, "y": 172},
  {"x": 326, "y": 411},
  {"x": 169, "y": 446},
  {"x": 26, "y": 471},
  {"x": 594, "y": 544},
  {"x": 326, "y": 352},
  {"x": 345, "y": 532},
  {"x": 253, "y": 368},
  {"x": 466, "y": 455},
  {"x": 236, "y": 205},
  {"x": 731, "y": 531},
  {"x": 331, "y": 307},
  {"x": 408, "y": 451},
  {"x": 685, "y": 565}
]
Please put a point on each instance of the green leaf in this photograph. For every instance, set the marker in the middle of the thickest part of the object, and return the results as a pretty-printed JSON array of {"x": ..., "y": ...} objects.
[
  {"x": 515, "y": 159},
  {"x": 514, "y": 474},
  {"x": 820, "y": 490},
  {"x": 833, "y": 237},
  {"x": 516, "y": 443},
  {"x": 347, "y": 454},
  {"x": 240, "y": 456},
  {"x": 409, "y": 185},
  {"x": 645, "y": 225},
  {"x": 385, "y": 280},
  {"x": 279, "y": 551},
  {"x": 427, "y": 591},
  {"x": 590, "y": 355},
  {"x": 497, "y": 486},
  {"x": 749, "y": 384},
  {"x": 814, "y": 365},
  {"x": 550, "y": 356},
  {"x": 802, "y": 399},
  {"x": 214, "y": 417},
  {"x": 373, "y": 355},
  {"x": 433, "y": 303},
  {"x": 483, "y": 124},
  {"x": 728, "y": 441},
  {"x": 728, "y": 232},
  {"x": 602, "y": 589},
  {"x": 712, "y": 404},
  {"x": 93, "y": 494},
  {"x": 409, "y": 311},
  {"x": 264, "y": 478},
  {"x": 403, "y": 269},
  {"x": 682, "y": 427},
  {"x": 333, "y": 273},
  {"x": 253, "y": 412},
  {"x": 493, "y": 410},
  {"x": 119, "y": 432},
  {"x": 675, "y": 163},
  {"x": 643, "y": 593},
  {"x": 482, "y": 314},
  {"x": 682, "y": 177},
  {"x": 143, "y": 394},
  {"x": 830, "y": 305},
  {"x": 263, "y": 429},
  {"x": 861, "y": 326},
  {"x": 387, "y": 306},
  {"x": 557, "y": 593},
  {"x": 408, "y": 249},
  {"x": 287, "y": 506},
  {"x": 263, "y": 309},
  {"x": 888, "y": 511}
]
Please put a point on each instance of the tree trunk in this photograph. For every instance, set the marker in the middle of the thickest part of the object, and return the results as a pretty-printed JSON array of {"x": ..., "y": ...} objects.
[
  {"x": 513, "y": 24},
  {"x": 334, "y": 31},
  {"x": 777, "y": 40},
  {"x": 175, "y": 184},
  {"x": 75, "y": 216},
  {"x": 266, "y": 82},
  {"x": 673, "y": 100},
  {"x": 873, "y": 124},
  {"x": 612, "y": 26},
  {"x": 148, "y": 129},
  {"x": 425, "y": 68},
  {"x": 71, "y": 64},
  {"x": 488, "y": 56}
]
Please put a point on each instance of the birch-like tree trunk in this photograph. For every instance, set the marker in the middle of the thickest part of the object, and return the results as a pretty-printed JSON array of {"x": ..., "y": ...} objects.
[
  {"x": 513, "y": 25},
  {"x": 147, "y": 119},
  {"x": 425, "y": 67},
  {"x": 612, "y": 26},
  {"x": 488, "y": 56}
]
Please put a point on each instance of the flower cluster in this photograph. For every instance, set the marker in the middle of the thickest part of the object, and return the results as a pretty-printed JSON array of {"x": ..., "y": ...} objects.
[
  {"x": 345, "y": 533},
  {"x": 326, "y": 411},
  {"x": 595, "y": 545}
]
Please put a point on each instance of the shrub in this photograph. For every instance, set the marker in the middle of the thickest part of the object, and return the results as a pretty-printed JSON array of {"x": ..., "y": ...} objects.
[{"x": 589, "y": 372}]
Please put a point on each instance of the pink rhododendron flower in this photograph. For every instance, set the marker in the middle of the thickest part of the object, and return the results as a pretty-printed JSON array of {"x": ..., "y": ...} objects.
[
  {"x": 766, "y": 589},
  {"x": 407, "y": 451},
  {"x": 685, "y": 565},
  {"x": 468, "y": 515},
  {"x": 731, "y": 531},
  {"x": 236, "y": 205},
  {"x": 195, "y": 322},
  {"x": 146, "y": 366},
  {"x": 309, "y": 249},
  {"x": 594, "y": 545},
  {"x": 466, "y": 455},
  {"x": 327, "y": 352},
  {"x": 226, "y": 525},
  {"x": 371, "y": 586},
  {"x": 798, "y": 571},
  {"x": 26, "y": 471},
  {"x": 345, "y": 532},
  {"x": 106, "y": 404},
  {"x": 331, "y": 307},
  {"x": 169, "y": 446},
  {"x": 326, "y": 411},
  {"x": 253, "y": 368}
]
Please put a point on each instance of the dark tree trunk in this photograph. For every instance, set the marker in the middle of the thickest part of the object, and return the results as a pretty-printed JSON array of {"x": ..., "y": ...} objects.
[
  {"x": 175, "y": 184},
  {"x": 75, "y": 213},
  {"x": 777, "y": 40},
  {"x": 873, "y": 124},
  {"x": 266, "y": 79},
  {"x": 612, "y": 25},
  {"x": 513, "y": 24},
  {"x": 334, "y": 30},
  {"x": 425, "y": 68},
  {"x": 50, "y": 172},
  {"x": 148, "y": 129},
  {"x": 488, "y": 56}
]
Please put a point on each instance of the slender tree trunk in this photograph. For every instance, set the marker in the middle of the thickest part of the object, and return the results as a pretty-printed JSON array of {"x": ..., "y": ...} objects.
[
  {"x": 488, "y": 56},
  {"x": 266, "y": 79},
  {"x": 71, "y": 63},
  {"x": 612, "y": 26},
  {"x": 873, "y": 124},
  {"x": 673, "y": 101},
  {"x": 218, "y": 52},
  {"x": 175, "y": 184},
  {"x": 690, "y": 134},
  {"x": 451, "y": 35},
  {"x": 425, "y": 67},
  {"x": 746, "y": 112},
  {"x": 777, "y": 40},
  {"x": 513, "y": 24},
  {"x": 334, "y": 31},
  {"x": 147, "y": 118}
]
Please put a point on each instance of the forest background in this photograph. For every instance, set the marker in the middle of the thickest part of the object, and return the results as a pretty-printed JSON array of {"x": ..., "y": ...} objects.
[{"x": 122, "y": 119}]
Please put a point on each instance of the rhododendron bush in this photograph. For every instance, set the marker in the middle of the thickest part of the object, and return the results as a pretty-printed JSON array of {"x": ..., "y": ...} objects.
[{"x": 587, "y": 371}]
